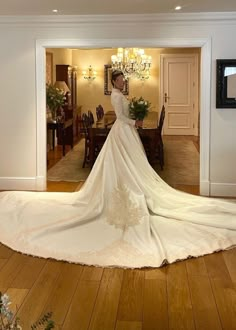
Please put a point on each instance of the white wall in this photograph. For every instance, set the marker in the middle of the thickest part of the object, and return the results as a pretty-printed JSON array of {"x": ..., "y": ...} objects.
[{"x": 18, "y": 92}]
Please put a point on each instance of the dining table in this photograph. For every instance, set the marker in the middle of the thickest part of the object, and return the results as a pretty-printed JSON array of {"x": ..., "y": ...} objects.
[{"x": 99, "y": 131}]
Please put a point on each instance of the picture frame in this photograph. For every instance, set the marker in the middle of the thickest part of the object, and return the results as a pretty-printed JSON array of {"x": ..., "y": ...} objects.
[
  {"x": 226, "y": 83},
  {"x": 49, "y": 68},
  {"x": 107, "y": 81}
]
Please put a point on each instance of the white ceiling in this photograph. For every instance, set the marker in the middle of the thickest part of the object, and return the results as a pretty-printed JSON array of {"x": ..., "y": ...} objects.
[{"x": 104, "y": 7}]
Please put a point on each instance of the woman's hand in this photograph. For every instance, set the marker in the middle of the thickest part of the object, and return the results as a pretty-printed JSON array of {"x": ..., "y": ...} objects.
[{"x": 138, "y": 123}]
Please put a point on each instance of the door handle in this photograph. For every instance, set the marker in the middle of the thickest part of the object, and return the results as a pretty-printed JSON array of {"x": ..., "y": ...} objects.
[{"x": 166, "y": 97}]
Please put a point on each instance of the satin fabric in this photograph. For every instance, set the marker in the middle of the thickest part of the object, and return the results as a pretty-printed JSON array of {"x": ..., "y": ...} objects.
[{"x": 125, "y": 215}]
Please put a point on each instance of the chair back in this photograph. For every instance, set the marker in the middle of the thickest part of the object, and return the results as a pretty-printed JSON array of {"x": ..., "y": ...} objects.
[
  {"x": 85, "y": 123},
  {"x": 90, "y": 118},
  {"x": 161, "y": 120},
  {"x": 99, "y": 112}
]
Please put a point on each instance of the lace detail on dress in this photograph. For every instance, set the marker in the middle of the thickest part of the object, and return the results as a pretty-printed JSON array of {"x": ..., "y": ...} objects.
[{"x": 124, "y": 210}]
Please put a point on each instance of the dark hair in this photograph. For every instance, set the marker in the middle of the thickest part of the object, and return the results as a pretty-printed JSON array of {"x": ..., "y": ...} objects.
[{"x": 115, "y": 74}]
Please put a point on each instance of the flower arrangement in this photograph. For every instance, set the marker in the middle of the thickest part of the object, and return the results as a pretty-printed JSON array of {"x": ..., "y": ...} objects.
[
  {"x": 138, "y": 108},
  {"x": 55, "y": 97},
  {"x": 9, "y": 321}
]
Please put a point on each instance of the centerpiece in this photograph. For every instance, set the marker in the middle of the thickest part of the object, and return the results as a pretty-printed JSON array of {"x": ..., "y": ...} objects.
[
  {"x": 138, "y": 108},
  {"x": 55, "y": 99}
]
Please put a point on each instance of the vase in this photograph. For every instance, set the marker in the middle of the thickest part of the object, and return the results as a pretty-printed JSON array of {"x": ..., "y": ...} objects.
[{"x": 53, "y": 114}]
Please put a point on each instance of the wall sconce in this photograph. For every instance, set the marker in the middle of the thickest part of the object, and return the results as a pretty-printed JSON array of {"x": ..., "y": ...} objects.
[{"x": 89, "y": 74}]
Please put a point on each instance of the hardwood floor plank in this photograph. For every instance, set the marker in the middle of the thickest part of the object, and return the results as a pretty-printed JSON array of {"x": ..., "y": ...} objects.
[
  {"x": 63, "y": 291},
  {"x": 32, "y": 308},
  {"x": 128, "y": 325},
  {"x": 80, "y": 185},
  {"x": 131, "y": 298},
  {"x": 91, "y": 273},
  {"x": 196, "y": 266},
  {"x": 223, "y": 289},
  {"x": 26, "y": 278},
  {"x": 61, "y": 186},
  {"x": 16, "y": 296},
  {"x": 81, "y": 308},
  {"x": 179, "y": 300},
  {"x": 155, "y": 306},
  {"x": 11, "y": 269},
  {"x": 2, "y": 263},
  {"x": 216, "y": 266},
  {"x": 204, "y": 306},
  {"x": 156, "y": 274},
  {"x": 105, "y": 310},
  {"x": 225, "y": 296},
  {"x": 230, "y": 261},
  {"x": 5, "y": 252}
]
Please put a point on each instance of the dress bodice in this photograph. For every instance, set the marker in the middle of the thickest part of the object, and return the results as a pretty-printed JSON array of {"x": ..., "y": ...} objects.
[{"x": 121, "y": 106}]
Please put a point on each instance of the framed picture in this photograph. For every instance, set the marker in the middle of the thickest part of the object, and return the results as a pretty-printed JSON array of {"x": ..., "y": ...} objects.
[
  {"x": 225, "y": 83},
  {"x": 49, "y": 68},
  {"x": 107, "y": 81}
]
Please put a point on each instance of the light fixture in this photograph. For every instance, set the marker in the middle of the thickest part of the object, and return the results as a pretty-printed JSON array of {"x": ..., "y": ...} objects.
[
  {"x": 55, "y": 11},
  {"x": 89, "y": 74},
  {"x": 133, "y": 62},
  {"x": 62, "y": 86},
  {"x": 178, "y": 8}
]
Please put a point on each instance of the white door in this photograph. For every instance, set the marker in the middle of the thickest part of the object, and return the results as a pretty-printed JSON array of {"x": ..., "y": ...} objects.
[{"x": 179, "y": 93}]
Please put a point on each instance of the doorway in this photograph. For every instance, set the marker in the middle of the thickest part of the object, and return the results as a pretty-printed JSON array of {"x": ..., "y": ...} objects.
[{"x": 205, "y": 93}]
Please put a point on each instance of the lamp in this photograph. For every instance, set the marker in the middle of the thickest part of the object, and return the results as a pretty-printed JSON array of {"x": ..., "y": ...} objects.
[
  {"x": 62, "y": 86},
  {"x": 89, "y": 74},
  {"x": 133, "y": 62}
]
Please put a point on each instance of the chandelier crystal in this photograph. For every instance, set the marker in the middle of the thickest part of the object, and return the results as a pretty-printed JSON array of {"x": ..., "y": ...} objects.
[{"x": 133, "y": 62}]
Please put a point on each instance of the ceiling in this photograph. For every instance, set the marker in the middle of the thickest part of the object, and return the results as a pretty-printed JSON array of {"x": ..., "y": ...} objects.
[{"x": 106, "y": 7}]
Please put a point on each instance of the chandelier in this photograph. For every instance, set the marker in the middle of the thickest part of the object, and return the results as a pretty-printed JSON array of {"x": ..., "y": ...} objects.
[{"x": 133, "y": 62}]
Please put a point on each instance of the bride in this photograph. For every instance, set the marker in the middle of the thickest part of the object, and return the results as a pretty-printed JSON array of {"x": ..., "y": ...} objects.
[{"x": 125, "y": 215}]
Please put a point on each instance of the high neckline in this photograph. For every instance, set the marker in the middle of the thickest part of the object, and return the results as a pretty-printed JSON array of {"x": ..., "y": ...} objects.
[{"x": 116, "y": 90}]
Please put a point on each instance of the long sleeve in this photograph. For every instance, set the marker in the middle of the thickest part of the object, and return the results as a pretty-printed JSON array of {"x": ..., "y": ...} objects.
[{"x": 118, "y": 103}]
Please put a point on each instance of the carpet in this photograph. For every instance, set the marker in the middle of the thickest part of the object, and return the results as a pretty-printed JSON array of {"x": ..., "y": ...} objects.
[
  {"x": 181, "y": 164},
  {"x": 69, "y": 168}
]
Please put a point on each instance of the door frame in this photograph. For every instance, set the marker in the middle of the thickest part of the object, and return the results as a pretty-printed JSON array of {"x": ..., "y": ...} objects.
[
  {"x": 196, "y": 81},
  {"x": 205, "y": 92}
]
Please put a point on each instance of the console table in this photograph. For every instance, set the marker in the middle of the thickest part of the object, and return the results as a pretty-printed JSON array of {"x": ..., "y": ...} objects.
[{"x": 64, "y": 131}]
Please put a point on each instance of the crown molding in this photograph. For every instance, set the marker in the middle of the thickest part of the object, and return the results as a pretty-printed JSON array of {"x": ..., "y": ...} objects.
[{"x": 208, "y": 17}]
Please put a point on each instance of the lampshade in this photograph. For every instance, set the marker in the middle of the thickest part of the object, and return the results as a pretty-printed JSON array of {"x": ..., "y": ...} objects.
[{"x": 62, "y": 86}]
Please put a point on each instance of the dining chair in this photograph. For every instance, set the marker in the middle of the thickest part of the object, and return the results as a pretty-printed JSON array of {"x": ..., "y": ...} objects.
[
  {"x": 159, "y": 140},
  {"x": 86, "y": 124},
  {"x": 99, "y": 112},
  {"x": 90, "y": 117}
]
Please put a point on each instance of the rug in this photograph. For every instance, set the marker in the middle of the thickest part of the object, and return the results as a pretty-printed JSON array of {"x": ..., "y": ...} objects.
[
  {"x": 181, "y": 164},
  {"x": 69, "y": 168}
]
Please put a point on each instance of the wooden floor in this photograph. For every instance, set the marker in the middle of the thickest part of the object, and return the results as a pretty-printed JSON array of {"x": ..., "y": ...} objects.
[{"x": 198, "y": 293}]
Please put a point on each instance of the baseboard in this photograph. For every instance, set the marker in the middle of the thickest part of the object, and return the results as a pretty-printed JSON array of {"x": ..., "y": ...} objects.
[
  {"x": 223, "y": 189},
  {"x": 21, "y": 183},
  {"x": 204, "y": 188}
]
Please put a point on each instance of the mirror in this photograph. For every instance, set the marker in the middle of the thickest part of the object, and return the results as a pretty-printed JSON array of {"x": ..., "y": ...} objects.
[
  {"x": 225, "y": 83},
  {"x": 107, "y": 81}
]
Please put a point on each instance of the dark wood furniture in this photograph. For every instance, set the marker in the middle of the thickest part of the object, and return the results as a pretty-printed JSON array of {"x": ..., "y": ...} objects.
[
  {"x": 149, "y": 135},
  {"x": 64, "y": 132},
  {"x": 152, "y": 140},
  {"x": 68, "y": 73}
]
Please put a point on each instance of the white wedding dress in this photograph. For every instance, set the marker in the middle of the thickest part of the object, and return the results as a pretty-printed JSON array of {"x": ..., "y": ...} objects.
[{"x": 125, "y": 215}]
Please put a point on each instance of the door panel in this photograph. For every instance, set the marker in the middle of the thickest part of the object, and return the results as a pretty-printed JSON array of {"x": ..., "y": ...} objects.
[{"x": 178, "y": 93}]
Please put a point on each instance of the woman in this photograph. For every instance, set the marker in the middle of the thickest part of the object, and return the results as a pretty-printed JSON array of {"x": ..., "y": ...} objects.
[{"x": 125, "y": 215}]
